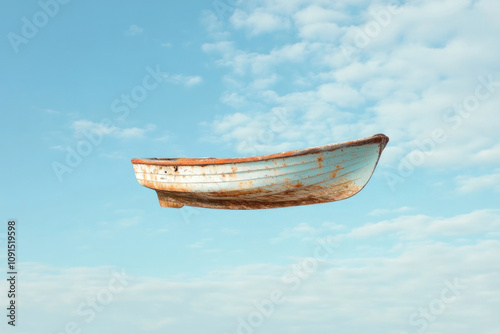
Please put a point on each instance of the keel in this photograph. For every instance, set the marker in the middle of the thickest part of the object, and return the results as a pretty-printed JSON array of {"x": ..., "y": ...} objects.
[{"x": 168, "y": 202}]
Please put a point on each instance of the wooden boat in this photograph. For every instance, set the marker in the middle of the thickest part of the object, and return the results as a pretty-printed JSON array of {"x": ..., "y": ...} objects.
[{"x": 308, "y": 176}]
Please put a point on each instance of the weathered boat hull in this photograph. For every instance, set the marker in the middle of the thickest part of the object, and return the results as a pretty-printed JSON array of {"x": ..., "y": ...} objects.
[{"x": 316, "y": 175}]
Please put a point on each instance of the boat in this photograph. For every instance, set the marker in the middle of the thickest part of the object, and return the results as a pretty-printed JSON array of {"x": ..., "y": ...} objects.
[{"x": 307, "y": 176}]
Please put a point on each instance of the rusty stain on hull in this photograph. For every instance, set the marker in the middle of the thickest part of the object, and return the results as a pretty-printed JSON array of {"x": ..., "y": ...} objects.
[{"x": 316, "y": 175}]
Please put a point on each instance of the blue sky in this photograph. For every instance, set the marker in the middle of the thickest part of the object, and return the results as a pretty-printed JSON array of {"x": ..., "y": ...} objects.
[{"x": 86, "y": 86}]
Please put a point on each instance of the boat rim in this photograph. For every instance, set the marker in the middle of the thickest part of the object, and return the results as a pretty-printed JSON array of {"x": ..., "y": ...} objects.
[{"x": 380, "y": 139}]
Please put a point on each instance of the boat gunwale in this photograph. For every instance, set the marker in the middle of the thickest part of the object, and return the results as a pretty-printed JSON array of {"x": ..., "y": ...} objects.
[
  {"x": 380, "y": 139},
  {"x": 256, "y": 171}
]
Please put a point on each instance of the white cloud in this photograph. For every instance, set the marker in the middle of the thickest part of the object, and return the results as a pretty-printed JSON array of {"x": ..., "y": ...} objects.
[
  {"x": 469, "y": 184},
  {"x": 82, "y": 127},
  {"x": 133, "y": 132},
  {"x": 214, "y": 26},
  {"x": 304, "y": 228},
  {"x": 259, "y": 21},
  {"x": 230, "y": 231},
  {"x": 199, "y": 244},
  {"x": 233, "y": 99},
  {"x": 318, "y": 23},
  {"x": 340, "y": 94},
  {"x": 231, "y": 121},
  {"x": 426, "y": 58},
  {"x": 380, "y": 212},
  {"x": 252, "y": 134},
  {"x": 181, "y": 79},
  {"x": 382, "y": 286},
  {"x": 51, "y": 111},
  {"x": 113, "y": 155},
  {"x": 301, "y": 120},
  {"x": 405, "y": 228},
  {"x": 421, "y": 226},
  {"x": 134, "y": 30},
  {"x": 256, "y": 65},
  {"x": 488, "y": 155},
  {"x": 110, "y": 227},
  {"x": 303, "y": 231}
]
